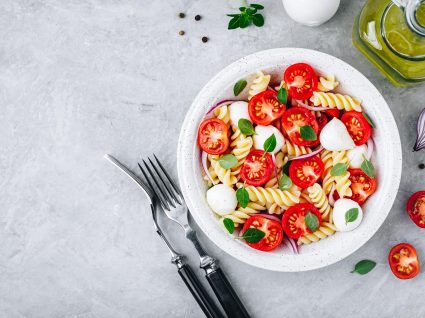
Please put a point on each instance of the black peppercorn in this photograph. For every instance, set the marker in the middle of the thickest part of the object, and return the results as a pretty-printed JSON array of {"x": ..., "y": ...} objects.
[
  {"x": 204, "y": 39},
  {"x": 181, "y": 32},
  {"x": 197, "y": 17},
  {"x": 421, "y": 166},
  {"x": 182, "y": 15}
]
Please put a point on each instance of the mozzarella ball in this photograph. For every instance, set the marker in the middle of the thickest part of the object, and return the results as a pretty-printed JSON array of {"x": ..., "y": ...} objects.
[
  {"x": 356, "y": 156},
  {"x": 335, "y": 136},
  {"x": 341, "y": 207},
  {"x": 222, "y": 199},
  {"x": 237, "y": 111},
  {"x": 264, "y": 132}
]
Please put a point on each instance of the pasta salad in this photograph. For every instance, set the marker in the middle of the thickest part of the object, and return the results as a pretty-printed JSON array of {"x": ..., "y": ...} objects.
[{"x": 291, "y": 163}]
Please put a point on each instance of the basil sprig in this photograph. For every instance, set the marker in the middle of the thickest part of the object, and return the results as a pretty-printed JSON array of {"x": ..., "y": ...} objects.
[
  {"x": 252, "y": 235},
  {"x": 227, "y": 161},
  {"x": 270, "y": 144},
  {"x": 285, "y": 182},
  {"x": 247, "y": 16},
  {"x": 351, "y": 215},
  {"x": 339, "y": 169},
  {"x": 246, "y": 127},
  {"x": 229, "y": 225},
  {"x": 312, "y": 221},
  {"x": 364, "y": 266},
  {"x": 242, "y": 196},
  {"x": 307, "y": 133},
  {"x": 239, "y": 87},
  {"x": 368, "y": 167},
  {"x": 282, "y": 95}
]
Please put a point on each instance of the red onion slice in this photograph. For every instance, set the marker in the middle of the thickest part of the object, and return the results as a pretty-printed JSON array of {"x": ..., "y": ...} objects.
[
  {"x": 369, "y": 148},
  {"x": 420, "y": 140},
  {"x": 309, "y": 155},
  {"x": 291, "y": 244},
  {"x": 271, "y": 217},
  {"x": 331, "y": 196},
  {"x": 221, "y": 103},
  {"x": 313, "y": 108},
  {"x": 204, "y": 157}
]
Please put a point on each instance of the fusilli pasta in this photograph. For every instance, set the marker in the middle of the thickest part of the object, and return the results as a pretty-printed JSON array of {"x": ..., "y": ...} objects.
[
  {"x": 259, "y": 84},
  {"x": 327, "y": 83},
  {"x": 226, "y": 176},
  {"x": 292, "y": 150},
  {"x": 328, "y": 179},
  {"x": 282, "y": 198},
  {"x": 240, "y": 215},
  {"x": 342, "y": 183},
  {"x": 339, "y": 101},
  {"x": 320, "y": 201},
  {"x": 223, "y": 113},
  {"x": 327, "y": 229}
]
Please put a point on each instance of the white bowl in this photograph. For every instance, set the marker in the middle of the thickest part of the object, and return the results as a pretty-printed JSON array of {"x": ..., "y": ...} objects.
[{"x": 387, "y": 160}]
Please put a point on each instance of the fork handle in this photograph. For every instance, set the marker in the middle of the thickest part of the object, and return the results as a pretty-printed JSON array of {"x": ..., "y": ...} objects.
[
  {"x": 225, "y": 293},
  {"x": 199, "y": 293}
]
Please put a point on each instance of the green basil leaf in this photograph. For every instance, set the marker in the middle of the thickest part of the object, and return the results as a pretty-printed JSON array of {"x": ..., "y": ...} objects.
[
  {"x": 227, "y": 161},
  {"x": 242, "y": 9},
  {"x": 251, "y": 11},
  {"x": 285, "y": 168},
  {"x": 282, "y": 95},
  {"x": 368, "y": 168},
  {"x": 339, "y": 169},
  {"x": 258, "y": 20},
  {"x": 363, "y": 267},
  {"x": 312, "y": 222},
  {"x": 307, "y": 133},
  {"x": 351, "y": 215},
  {"x": 369, "y": 120},
  {"x": 242, "y": 196},
  {"x": 256, "y": 6},
  {"x": 245, "y": 126},
  {"x": 229, "y": 225},
  {"x": 253, "y": 235},
  {"x": 233, "y": 23},
  {"x": 270, "y": 144},
  {"x": 239, "y": 87},
  {"x": 244, "y": 21},
  {"x": 285, "y": 182}
]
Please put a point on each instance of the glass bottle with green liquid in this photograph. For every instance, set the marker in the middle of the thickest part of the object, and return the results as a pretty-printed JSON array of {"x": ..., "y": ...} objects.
[{"x": 391, "y": 34}]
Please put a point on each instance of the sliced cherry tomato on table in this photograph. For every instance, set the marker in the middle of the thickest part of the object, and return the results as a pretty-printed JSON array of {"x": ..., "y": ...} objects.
[
  {"x": 300, "y": 80},
  {"x": 404, "y": 261},
  {"x": 295, "y": 118},
  {"x": 213, "y": 136},
  {"x": 293, "y": 221},
  {"x": 333, "y": 112},
  {"x": 416, "y": 208},
  {"x": 362, "y": 185},
  {"x": 305, "y": 172},
  {"x": 264, "y": 108},
  {"x": 272, "y": 229},
  {"x": 257, "y": 168},
  {"x": 357, "y": 126}
]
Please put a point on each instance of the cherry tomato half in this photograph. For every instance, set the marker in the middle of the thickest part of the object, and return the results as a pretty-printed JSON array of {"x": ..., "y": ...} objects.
[
  {"x": 213, "y": 136},
  {"x": 300, "y": 80},
  {"x": 264, "y": 108},
  {"x": 257, "y": 168},
  {"x": 357, "y": 126},
  {"x": 362, "y": 185},
  {"x": 333, "y": 112},
  {"x": 416, "y": 208},
  {"x": 272, "y": 229},
  {"x": 305, "y": 172},
  {"x": 293, "y": 221},
  {"x": 404, "y": 261},
  {"x": 295, "y": 118}
]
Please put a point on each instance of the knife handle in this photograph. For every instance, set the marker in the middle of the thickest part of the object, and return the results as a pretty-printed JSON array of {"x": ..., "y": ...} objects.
[
  {"x": 225, "y": 293},
  {"x": 199, "y": 293}
]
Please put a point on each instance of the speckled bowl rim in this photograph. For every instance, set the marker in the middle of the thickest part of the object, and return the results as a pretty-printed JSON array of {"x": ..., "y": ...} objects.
[{"x": 336, "y": 247}]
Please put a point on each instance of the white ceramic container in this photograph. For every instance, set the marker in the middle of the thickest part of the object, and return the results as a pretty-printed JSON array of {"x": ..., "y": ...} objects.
[
  {"x": 386, "y": 158},
  {"x": 311, "y": 12}
]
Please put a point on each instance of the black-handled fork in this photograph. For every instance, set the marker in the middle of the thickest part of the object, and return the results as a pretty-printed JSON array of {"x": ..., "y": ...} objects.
[
  {"x": 192, "y": 282},
  {"x": 172, "y": 203}
]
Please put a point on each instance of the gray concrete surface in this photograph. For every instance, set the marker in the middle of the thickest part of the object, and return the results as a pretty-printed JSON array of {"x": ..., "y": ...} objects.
[{"x": 82, "y": 78}]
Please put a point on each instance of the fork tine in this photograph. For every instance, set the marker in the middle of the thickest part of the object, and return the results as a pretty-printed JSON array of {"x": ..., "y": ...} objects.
[
  {"x": 158, "y": 193},
  {"x": 166, "y": 184},
  {"x": 159, "y": 185},
  {"x": 173, "y": 184}
]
